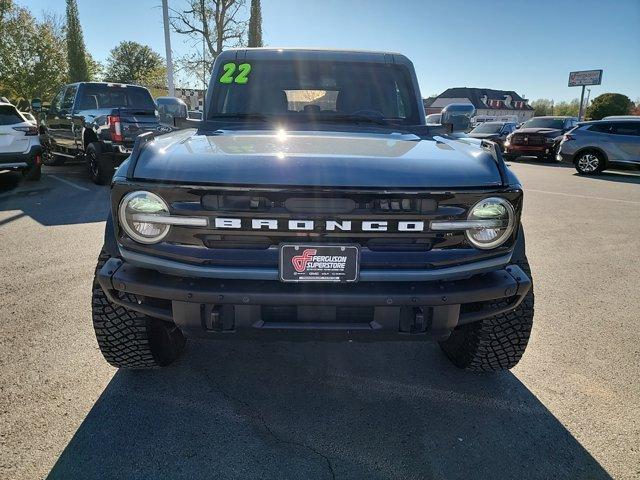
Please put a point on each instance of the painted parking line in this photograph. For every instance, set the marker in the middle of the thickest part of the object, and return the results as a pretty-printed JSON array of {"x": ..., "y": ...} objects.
[
  {"x": 71, "y": 184},
  {"x": 589, "y": 197}
]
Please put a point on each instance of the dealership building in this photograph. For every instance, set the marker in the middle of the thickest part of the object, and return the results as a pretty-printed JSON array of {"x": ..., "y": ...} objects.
[{"x": 488, "y": 102}]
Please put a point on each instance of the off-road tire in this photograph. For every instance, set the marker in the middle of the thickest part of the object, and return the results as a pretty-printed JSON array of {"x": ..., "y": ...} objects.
[
  {"x": 495, "y": 343},
  {"x": 100, "y": 165},
  {"x": 128, "y": 339},
  {"x": 32, "y": 174}
]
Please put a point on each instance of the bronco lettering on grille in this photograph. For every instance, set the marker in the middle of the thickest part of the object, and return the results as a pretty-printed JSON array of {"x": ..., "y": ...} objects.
[{"x": 324, "y": 225}]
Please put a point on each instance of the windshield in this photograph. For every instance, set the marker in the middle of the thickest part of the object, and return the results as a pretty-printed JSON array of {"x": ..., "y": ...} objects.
[
  {"x": 115, "y": 96},
  {"x": 540, "y": 122},
  {"x": 315, "y": 90},
  {"x": 488, "y": 128}
]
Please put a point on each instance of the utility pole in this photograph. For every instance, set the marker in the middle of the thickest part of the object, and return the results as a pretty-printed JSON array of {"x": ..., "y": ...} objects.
[
  {"x": 586, "y": 103},
  {"x": 167, "y": 47},
  {"x": 204, "y": 55}
]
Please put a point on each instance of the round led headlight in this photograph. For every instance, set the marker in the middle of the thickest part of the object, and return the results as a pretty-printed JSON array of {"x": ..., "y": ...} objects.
[
  {"x": 136, "y": 213},
  {"x": 495, "y": 220}
]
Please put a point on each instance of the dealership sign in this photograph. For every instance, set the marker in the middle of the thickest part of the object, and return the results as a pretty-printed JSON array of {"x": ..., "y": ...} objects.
[{"x": 585, "y": 77}]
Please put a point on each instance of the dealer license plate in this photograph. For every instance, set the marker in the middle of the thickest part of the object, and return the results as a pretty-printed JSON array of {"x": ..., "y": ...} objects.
[{"x": 319, "y": 263}]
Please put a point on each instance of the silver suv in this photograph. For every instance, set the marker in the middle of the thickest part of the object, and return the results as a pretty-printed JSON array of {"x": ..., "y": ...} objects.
[{"x": 595, "y": 146}]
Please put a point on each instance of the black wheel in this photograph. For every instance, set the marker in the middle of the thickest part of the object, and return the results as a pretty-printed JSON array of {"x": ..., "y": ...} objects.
[
  {"x": 100, "y": 165},
  {"x": 495, "y": 343},
  {"x": 589, "y": 162},
  {"x": 128, "y": 339},
  {"x": 32, "y": 174},
  {"x": 509, "y": 158}
]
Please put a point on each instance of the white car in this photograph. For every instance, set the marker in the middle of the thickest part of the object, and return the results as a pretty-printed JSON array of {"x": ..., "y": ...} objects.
[{"x": 20, "y": 148}]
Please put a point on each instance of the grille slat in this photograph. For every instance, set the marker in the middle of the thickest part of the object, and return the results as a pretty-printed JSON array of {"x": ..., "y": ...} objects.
[{"x": 527, "y": 139}]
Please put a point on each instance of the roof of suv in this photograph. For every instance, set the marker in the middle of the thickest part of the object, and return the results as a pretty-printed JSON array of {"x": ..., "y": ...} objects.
[{"x": 318, "y": 54}]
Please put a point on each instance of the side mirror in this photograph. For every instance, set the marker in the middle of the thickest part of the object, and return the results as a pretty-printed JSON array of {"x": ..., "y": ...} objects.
[
  {"x": 36, "y": 105},
  {"x": 170, "y": 110},
  {"x": 457, "y": 116}
]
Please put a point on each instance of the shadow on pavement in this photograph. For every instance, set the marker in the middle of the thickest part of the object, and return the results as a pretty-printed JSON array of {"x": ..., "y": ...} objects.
[
  {"x": 311, "y": 410},
  {"x": 51, "y": 201},
  {"x": 542, "y": 163},
  {"x": 630, "y": 177}
]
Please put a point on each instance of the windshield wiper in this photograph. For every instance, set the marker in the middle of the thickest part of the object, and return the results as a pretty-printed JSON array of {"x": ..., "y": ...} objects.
[
  {"x": 239, "y": 116},
  {"x": 354, "y": 119}
]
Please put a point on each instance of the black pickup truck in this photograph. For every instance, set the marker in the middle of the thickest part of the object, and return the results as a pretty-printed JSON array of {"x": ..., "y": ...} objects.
[
  {"x": 313, "y": 202},
  {"x": 98, "y": 122}
]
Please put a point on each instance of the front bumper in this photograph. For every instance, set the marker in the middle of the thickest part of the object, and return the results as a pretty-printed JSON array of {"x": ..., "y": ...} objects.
[
  {"x": 21, "y": 160},
  {"x": 267, "y": 309},
  {"x": 530, "y": 151}
]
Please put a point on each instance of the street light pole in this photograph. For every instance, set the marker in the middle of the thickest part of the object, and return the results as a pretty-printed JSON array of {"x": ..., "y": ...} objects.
[{"x": 167, "y": 47}]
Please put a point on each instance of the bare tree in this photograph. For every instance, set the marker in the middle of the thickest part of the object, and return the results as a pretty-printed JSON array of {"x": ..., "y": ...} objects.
[{"x": 219, "y": 24}]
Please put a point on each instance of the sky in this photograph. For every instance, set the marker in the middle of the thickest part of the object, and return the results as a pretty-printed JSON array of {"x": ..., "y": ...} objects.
[{"x": 529, "y": 46}]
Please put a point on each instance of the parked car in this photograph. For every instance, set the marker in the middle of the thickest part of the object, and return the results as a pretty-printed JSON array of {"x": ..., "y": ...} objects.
[
  {"x": 494, "y": 131},
  {"x": 98, "y": 122},
  {"x": 29, "y": 118},
  {"x": 341, "y": 217},
  {"x": 19, "y": 143},
  {"x": 538, "y": 137},
  {"x": 595, "y": 146}
]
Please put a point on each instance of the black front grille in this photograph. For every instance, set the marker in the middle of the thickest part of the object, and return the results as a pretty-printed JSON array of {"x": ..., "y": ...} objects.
[
  {"x": 247, "y": 246},
  {"x": 527, "y": 139},
  {"x": 316, "y": 205}
]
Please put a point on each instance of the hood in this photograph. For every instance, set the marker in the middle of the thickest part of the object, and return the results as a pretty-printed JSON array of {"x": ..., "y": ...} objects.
[
  {"x": 547, "y": 132},
  {"x": 484, "y": 135},
  {"x": 322, "y": 159}
]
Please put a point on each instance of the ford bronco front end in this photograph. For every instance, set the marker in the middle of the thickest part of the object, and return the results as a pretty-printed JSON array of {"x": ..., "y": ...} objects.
[{"x": 314, "y": 203}]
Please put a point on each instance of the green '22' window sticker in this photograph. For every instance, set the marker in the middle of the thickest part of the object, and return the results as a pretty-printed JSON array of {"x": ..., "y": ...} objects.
[{"x": 229, "y": 69}]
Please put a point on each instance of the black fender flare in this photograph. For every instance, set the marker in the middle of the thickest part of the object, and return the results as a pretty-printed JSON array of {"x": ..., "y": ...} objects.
[
  {"x": 88, "y": 136},
  {"x": 110, "y": 240},
  {"x": 519, "y": 252}
]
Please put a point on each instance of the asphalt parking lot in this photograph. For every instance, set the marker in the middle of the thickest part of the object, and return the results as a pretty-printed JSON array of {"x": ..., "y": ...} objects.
[{"x": 570, "y": 409}]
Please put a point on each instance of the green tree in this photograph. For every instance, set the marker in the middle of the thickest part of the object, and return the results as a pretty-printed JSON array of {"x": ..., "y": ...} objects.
[
  {"x": 255, "y": 25},
  {"x": 32, "y": 54},
  {"x": 76, "y": 56},
  {"x": 542, "y": 106},
  {"x": 94, "y": 68},
  {"x": 609, "y": 104},
  {"x": 132, "y": 62},
  {"x": 569, "y": 109}
]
